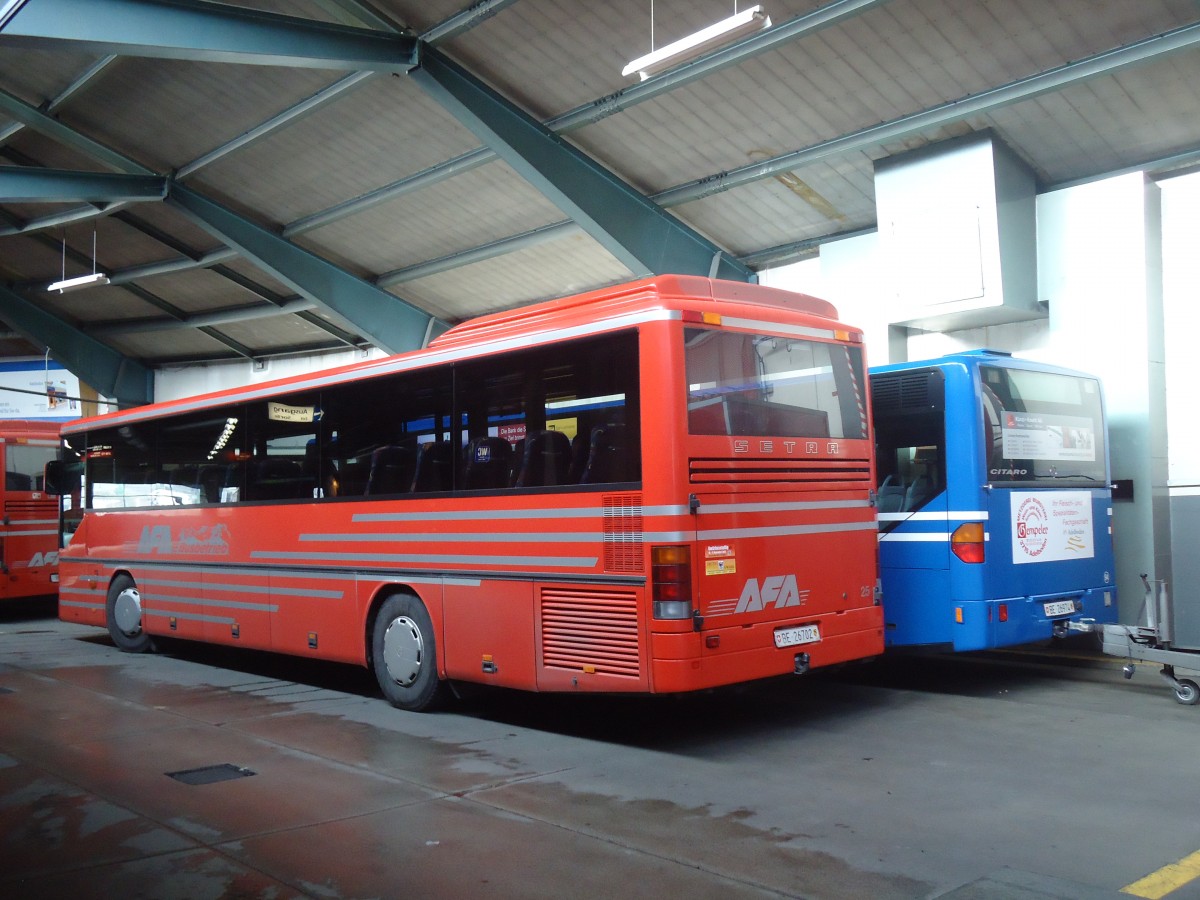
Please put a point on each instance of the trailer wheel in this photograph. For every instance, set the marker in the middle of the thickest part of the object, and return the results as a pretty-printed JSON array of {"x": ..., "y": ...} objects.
[
  {"x": 123, "y": 613},
  {"x": 1187, "y": 692},
  {"x": 404, "y": 655}
]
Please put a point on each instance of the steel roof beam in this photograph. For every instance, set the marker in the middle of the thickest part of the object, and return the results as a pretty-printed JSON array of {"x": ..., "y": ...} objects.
[
  {"x": 831, "y": 14},
  {"x": 98, "y": 365},
  {"x": 392, "y": 324},
  {"x": 641, "y": 235},
  {"x": 203, "y": 31},
  {"x": 26, "y": 184}
]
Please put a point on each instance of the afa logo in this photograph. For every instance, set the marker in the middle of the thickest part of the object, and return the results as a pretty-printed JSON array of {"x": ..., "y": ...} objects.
[
  {"x": 203, "y": 539},
  {"x": 776, "y": 590},
  {"x": 43, "y": 559}
]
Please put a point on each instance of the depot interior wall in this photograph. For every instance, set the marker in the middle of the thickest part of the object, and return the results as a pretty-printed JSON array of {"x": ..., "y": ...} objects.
[
  {"x": 1118, "y": 279},
  {"x": 188, "y": 381}
]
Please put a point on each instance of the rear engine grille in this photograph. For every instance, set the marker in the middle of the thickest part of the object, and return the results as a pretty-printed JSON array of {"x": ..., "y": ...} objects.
[
  {"x": 593, "y": 631},
  {"x": 825, "y": 474}
]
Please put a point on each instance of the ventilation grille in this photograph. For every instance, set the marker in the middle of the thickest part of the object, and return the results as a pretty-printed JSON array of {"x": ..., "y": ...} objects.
[
  {"x": 900, "y": 392},
  {"x": 623, "y": 551},
  {"x": 593, "y": 631},
  {"x": 819, "y": 474},
  {"x": 47, "y": 507}
]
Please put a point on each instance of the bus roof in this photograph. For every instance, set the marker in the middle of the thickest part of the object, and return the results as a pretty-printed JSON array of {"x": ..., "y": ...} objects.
[
  {"x": 29, "y": 428},
  {"x": 594, "y": 312}
]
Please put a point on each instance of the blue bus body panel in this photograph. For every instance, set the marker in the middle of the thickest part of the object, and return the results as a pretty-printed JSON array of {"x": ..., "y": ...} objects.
[{"x": 1044, "y": 546}]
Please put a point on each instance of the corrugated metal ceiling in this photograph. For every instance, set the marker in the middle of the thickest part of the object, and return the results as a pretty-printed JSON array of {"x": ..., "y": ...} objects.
[{"x": 351, "y": 161}]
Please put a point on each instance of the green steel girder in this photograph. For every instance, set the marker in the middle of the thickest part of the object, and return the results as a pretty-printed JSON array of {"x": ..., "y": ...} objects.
[
  {"x": 392, "y": 324},
  {"x": 205, "y": 31},
  {"x": 20, "y": 183},
  {"x": 640, "y": 234},
  {"x": 106, "y": 370}
]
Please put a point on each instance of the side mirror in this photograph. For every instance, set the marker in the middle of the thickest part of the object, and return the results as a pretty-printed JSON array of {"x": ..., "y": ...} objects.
[{"x": 63, "y": 477}]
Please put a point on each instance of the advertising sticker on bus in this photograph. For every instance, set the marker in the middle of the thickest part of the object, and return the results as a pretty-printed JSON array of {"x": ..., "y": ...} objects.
[{"x": 1051, "y": 525}]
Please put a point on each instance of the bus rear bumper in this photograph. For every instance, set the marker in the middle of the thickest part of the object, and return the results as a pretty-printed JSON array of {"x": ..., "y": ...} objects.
[
  {"x": 683, "y": 662},
  {"x": 984, "y": 624}
]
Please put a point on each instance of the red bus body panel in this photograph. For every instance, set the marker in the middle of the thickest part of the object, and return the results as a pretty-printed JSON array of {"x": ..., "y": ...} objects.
[
  {"x": 545, "y": 589},
  {"x": 29, "y": 533}
]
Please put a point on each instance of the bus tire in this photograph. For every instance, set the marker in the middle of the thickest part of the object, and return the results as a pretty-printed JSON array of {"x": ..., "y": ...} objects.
[
  {"x": 1187, "y": 692},
  {"x": 123, "y": 613},
  {"x": 404, "y": 655}
]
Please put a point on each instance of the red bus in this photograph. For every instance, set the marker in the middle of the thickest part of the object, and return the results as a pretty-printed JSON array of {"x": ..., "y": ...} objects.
[
  {"x": 29, "y": 530},
  {"x": 657, "y": 487}
]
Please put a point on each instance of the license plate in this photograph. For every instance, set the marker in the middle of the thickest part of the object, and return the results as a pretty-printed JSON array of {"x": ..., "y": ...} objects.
[
  {"x": 796, "y": 635},
  {"x": 1060, "y": 608}
]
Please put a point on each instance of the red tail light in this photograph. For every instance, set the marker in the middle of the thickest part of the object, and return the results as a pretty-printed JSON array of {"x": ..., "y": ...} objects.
[
  {"x": 967, "y": 542},
  {"x": 671, "y": 579}
]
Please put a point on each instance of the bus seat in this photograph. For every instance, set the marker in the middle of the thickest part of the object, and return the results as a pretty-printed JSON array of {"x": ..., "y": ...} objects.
[
  {"x": 607, "y": 457},
  {"x": 392, "y": 470},
  {"x": 580, "y": 450},
  {"x": 487, "y": 464},
  {"x": 547, "y": 460},
  {"x": 891, "y": 494},
  {"x": 918, "y": 493},
  {"x": 435, "y": 467},
  {"x": 278, "y": 479}
]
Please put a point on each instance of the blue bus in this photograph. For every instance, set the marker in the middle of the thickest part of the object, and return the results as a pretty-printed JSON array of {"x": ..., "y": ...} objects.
[{"x": 994, "y": 501}]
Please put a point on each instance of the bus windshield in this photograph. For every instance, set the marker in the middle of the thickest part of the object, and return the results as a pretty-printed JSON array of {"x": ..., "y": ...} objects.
[
  {"x": 1042, "y": 427},
  {"x": 756, "y": 384}
]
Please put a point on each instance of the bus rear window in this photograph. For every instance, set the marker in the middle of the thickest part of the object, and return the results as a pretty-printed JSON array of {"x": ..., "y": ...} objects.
[
  {"x": 756, "y": 384},
  {"x": 1042, "y": 426}
]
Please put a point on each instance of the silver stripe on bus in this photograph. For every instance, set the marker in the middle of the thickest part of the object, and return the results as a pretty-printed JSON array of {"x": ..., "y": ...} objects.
[
  {"x": 248, "y": 588},
  {"x": 784, "y": 531},
  {"x": 557, "y": 512},
  {"x": 710, "y": 509},
  {"x": 53, "y": 522},
  {"x": 483, "y": 537},
  {"x": 17, "y": 532},
  {"x": 391, "y": 366},
  {"x": 159, "y": 599},
  {"x": 972, "y": 515},
  {"x": 586, "y": 562},
  {"x": 208, "y": 566},
  {"x": 190, "y": 617},
  {"x": 921, "y": 536},
  {"x": 79, "y": 604}
]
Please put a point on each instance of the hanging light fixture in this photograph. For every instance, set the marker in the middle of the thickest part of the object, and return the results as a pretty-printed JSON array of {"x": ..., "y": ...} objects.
[
  {"x": 81, "y": 281},
  {"x": 749, "y": 20}
]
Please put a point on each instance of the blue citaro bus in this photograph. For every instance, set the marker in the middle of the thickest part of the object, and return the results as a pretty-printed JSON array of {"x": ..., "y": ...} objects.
[{"x": 995, "y": 505}]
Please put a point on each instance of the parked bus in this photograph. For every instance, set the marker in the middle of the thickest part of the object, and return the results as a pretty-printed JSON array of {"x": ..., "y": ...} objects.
[
  {"x": 29, "y": 529},
  {"x": 995, "y": 506},
  {"x": 658, "y": 487}
]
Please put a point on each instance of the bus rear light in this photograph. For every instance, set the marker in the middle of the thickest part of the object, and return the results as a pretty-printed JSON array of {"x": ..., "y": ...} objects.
[
  {"x": 702, "y": 318},
  {"x": 967, "y": 542},
  {"x": 1003, "y": 612},
  {"x": 671, "y": 578},
  {"x": 958, "y": 616}
]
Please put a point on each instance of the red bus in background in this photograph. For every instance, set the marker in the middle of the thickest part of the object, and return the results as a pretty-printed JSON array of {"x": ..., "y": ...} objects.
[
  {"x": 658, "y": 487},
  {"x": 29, "y": 529}
]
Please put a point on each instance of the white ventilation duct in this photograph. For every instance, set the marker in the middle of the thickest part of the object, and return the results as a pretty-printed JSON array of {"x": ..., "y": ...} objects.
[{"x": 957, "y": 227}]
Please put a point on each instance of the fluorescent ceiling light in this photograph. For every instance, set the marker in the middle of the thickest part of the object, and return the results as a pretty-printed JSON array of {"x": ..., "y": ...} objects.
[
  {"x": 74, "y": 284},
  {"x": 752, "y": 19}
]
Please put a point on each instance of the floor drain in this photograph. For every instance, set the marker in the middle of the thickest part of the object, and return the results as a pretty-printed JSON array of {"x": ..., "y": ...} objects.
[{"x": 210, "y": 774}]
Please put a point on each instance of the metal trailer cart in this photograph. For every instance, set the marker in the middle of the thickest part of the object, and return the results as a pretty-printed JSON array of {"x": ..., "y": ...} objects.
[{"x": 1151, "y": 642}]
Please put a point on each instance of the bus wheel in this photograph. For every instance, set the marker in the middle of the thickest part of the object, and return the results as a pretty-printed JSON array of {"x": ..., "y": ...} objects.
[
  {"x": 124, "y": 615},
  {"x": 1187, "y": 692},
  {"x": 404, "y": 655}
]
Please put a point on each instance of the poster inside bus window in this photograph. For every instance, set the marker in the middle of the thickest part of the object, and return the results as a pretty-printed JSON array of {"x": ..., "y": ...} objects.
[{"x": 1042, "y": 436}]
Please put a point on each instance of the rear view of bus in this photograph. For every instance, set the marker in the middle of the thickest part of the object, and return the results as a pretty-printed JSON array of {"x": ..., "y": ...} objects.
[
  {"x": 995, "y": 506},
  {"x": 29, "y": 532}
]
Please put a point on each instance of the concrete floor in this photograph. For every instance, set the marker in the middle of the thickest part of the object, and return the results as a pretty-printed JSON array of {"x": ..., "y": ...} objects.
[{"x": 1029, "y": 775}]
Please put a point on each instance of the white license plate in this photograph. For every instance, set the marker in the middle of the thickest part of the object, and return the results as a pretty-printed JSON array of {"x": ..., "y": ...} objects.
[
  {"x": 1060, "y": 608},
  {"x": 799, "y": 634}
]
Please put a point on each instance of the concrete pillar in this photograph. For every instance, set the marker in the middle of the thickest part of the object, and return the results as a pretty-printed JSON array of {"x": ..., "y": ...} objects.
[{"x": 1100, "y": 271}]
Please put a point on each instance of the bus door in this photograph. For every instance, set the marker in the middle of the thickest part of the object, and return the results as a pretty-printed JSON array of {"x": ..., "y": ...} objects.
[{"x": 913, "y": 504}]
